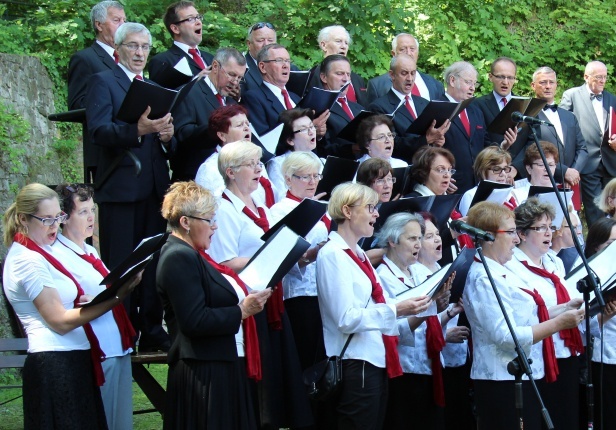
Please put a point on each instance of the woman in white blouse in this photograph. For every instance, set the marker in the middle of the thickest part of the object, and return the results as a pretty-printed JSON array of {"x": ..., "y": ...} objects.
[
  {"x": 352, "y": 301},
  {"x": 375, "y": 137},
  {"x": 493, "y": 347},
  {"x": 544, "y": 273},
  {"x": 433, "y": 168},
  {"x": 537, "y": 173}
]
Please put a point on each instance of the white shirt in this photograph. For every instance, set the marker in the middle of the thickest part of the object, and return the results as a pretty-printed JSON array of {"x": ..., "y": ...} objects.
[
  {"x": 609, "y": 343},
  {"x": 239, "y": 336},
  {"x": 493, "y": 345},
  {"x": 347, "y": 307},
  {"x": 108, "y": 49},
  {"x": 394, "y": 162},
  {"x": 499, "y": 99},
  {"x": 26, "y": 273},
  {"x": 274, "y": 171},
  {"x": 278, "y": 93},
  {"x": 105, "y": 326},
  {"x": 554, "y": 118},
  {"x": 402, "y": 98},
  {"x": 300, "y": 282},
  {"x": 598, "y": 108},
  {"x": 422, "y": 87}
]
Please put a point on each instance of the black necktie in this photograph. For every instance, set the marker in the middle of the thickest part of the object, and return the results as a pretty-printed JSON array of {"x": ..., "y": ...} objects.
[
  {"x": 553, "y": 107},
  {"x": 596, "y": 96}
]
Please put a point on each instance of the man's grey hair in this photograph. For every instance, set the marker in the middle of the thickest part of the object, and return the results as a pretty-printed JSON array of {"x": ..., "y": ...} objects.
[
  {"x": 223, "y": 55},
  {"x": 544, "y": 69},
  {"x": 263, "y": 54},
  {"x": 130, "y": 28},
  {"x": 396, "y": 58},
  {"x": 458, "y": 68},
  {"x": 99, "y": 12},
  {"x": 325, "y": 32},
  {"x": 394, "y": 42}
]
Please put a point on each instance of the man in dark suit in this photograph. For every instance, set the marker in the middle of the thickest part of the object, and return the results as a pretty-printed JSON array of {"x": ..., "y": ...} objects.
[
  {"x": 129, "y": 205},
  {"x": 184, "y": 24},
  {"x": 591, "y": 104},
  {"x": 259, "y": 35},
  {"x": 467, "y": 135},
  {"x": 336, "y": 40},
  {"x": 192, "y": 115},
  {"x": 106, "y": 17},
  {"x": 400, "y": 99},
  {"x": 425, "y": 85}
]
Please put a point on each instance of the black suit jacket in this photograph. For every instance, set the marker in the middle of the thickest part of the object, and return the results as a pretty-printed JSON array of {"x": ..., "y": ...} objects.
[
  {"x": 252, "y": 78},
  {"x": 464, "y": 148},
  {"x": 337, "y": 120},
  {"x": 379, "y": 86},
  {"x": 573, "y": 154},
  {"x": 264, "y": 108},
  {"x": 406, "y": 144},
  {"x": 191, "y": 119},
  {"x": 106, "y": 92},
  {"x": 82, "y": 66},
  {"x": 201, "y": 306},
  {"x": 357, "y": 81},
  {"x": 169, "y": 58}
]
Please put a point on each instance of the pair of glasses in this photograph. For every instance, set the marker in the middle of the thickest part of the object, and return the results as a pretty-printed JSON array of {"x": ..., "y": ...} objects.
[
  {"x": 233, "y": 78},
  {"x": 505, "y": 78},
  {"x": 469, "y": 82},
  {"x": 385, "y": 137},
  {"x": 134, "y": 47},
  {"x": 278, "y": 61},
  {"x": 383, "y": 181},
  {"x": 190, "y": 19},
  {"x": 443, "y": 171},
  {"x": 497, "y": 170},
  {"x": 211, "y": 222},
  {"x": 260, "y": 25},
  {"x": 48, "y": 222},
  {"x": 251, "y": 165},
  {"x": 512, "y": 233},
  {"x": 305, "y": 130},
  {"x": 308, "y": 178},
  {"x": 543, "y": 228},
  {"x": 541, "y": 166},
  {"x": 600, "y": 78},
  {"x": 371, "y": 207}
]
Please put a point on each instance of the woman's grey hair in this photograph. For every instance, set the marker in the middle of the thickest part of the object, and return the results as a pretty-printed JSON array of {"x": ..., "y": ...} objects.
[{"x": 391, "y": 231}]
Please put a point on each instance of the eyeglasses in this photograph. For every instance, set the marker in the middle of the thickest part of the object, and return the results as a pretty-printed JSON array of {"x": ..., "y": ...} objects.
[
  {"x": 278, "y": 61},
  {"x": 308, "y": 178},
  {"x": 443, "y": 171},
  {"x": 260, "y": 25},
  {"x": 383, "y": 181},
  {"x": 497, "y": 170},
  {"x": 385, "y": 137},
  {"x": 543, "y": 228},
  {"x": 541, "y": 166},
  {"x": 371, "y": 207},
  {"x": 211, "y": 222},
  {"x": 505, "y": 78},
  {"x": 134, "y": 47},
  {"x": 190, "y": 19},
  {"x": 469, "y": 82},
  {"x": 512, "y": 233},
  {"x": 305, "y": 130},
  {"x": 48, "y": 222},
  {"x": 233, "y": 78},
  {"x": 251, "y": 165},
  {"x": 600, "y": 77}
]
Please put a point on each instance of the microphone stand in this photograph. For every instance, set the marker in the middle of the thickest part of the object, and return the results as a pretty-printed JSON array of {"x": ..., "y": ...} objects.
[
  {"x": 585, "y": 286},
  {"x": 520, "y": 365}
]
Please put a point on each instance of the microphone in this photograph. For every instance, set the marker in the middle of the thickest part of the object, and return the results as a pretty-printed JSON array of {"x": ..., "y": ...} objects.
[
  {"x": 531, "y": 120},
  {"x": 474, "y": 232}
]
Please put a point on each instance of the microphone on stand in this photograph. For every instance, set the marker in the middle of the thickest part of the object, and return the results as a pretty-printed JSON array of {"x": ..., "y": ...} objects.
[
  {"x": 474, "y": 232},
  {"x": 530, "y": 120}
]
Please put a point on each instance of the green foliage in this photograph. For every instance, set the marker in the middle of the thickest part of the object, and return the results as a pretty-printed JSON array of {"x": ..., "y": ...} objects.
[
  {"x": 67, "y": 152},
  {"x": 14, "y": 133}
]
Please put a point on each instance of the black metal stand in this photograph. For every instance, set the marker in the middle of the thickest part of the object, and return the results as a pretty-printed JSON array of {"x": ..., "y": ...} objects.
[
  {"x": 520, "y": 365},
  {"x": 585, "y": 286}
]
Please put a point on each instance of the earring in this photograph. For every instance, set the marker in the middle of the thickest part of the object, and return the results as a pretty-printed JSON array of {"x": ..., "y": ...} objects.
[{"x": 187, "y": 231}]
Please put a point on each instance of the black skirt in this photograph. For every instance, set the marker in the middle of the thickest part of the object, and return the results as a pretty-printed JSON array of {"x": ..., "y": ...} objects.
[
  {"x": 208, "y": 395},
  {"x": 59, "y": 392}
]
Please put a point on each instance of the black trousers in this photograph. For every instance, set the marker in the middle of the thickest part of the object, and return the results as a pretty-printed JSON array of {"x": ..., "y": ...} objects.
[
  {"x": 411, "y": 404},
  {"x": 561, "y": 397},
  {"x": 495, "y": 401},
  {"x": 121, "y": 227}
]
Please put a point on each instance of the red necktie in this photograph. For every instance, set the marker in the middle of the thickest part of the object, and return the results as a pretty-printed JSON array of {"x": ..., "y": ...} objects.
[
  {"x": 345, "y": 107},
  {"x": 269, "y": 192},
  {"x": 392, "y": 360},
  {"x": 504, "y": 100},
  {"x": 220, "y": 99},
  {"x": 116, "y": 57},
  {"x": 415, "y": 90},
  {"x": 571, "y": 337},
  {"x": 127, "y": 332},
  {"x": 350, "y": 95},
  {"x": 251, "y": 340},
  {"x": 197, "y": 58},
  {"x": 96, "y": 353},
  {"x": 407, "y": 103},
  {"x": 465, "y": 122},
  {"x": 549, "y": 355},
  {"x": 287, "y": 100},
  {"x": 139, "y": 77}
]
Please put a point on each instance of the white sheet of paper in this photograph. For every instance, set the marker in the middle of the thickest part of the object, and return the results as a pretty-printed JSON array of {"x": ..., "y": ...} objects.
[
  {"x": 426, "y": 288},
  {"x": 270, "y": 139},
  {"x": 601, "y": 265},
  {"x": 499, "y": 196},
  {"x": 183, "y": 67},
  {"x": 553, "y": 200}
]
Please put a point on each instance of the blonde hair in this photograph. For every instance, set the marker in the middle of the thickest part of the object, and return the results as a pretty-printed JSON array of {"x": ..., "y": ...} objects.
[
  {"x": 488, "y": 216},
  {"x": 234, "y": 154},
  {"x": 299, "y": 161},
  {"x": 27, "y": 201},
  {"x": 488, "y": 158},
  {"x": 601, "y": 200},
  {"x": 186, "y": 198},
  {"x": 349, "y": 194}
]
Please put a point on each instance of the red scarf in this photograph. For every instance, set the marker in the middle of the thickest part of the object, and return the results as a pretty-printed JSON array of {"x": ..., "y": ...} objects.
[
  {"x": 392, "y": 360},
  {"x": 127, "y": 332},
  {"x": 269, "y": 192},
  {"x": 549, "y": 355},
  {"x": 275, "y": 305},
  {"x": 571, "y": 336},
  {"x": 96, "y": 352},
  {"x": 463, "y": 239},
  {"x": 251, "y": 340},
  {"x": 325, "y": 219}
]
